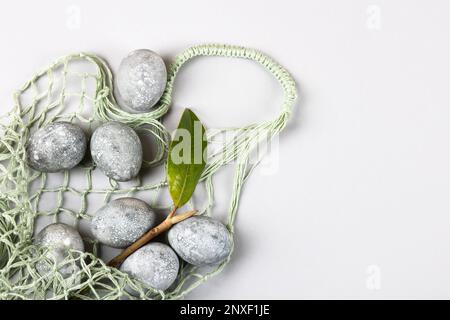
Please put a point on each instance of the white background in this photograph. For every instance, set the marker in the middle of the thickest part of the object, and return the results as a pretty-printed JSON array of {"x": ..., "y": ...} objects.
[{"x": 358, "y": 206}]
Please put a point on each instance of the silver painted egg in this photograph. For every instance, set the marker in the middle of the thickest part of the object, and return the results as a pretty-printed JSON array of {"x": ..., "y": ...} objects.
[
  {"x": 155, "y": 264},
  {"x": 140, "y": 81},
  {"x": 56, "y": 147},
  {"x": 201, "y": 240},
  {"x": 59, "y": 238},
  {"x": 122, "y": 221},
  {"x": 117, "y": 151}
]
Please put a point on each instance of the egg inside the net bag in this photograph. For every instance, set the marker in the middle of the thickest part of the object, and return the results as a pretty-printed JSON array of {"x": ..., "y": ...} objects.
[
  {"x": 59, "y": 238},
  {"x": 117, "y": 151},
  {"x": 140, "y": 81},
  {"x": 56, "y": 147},
  {"x": 201, "y": 240},
  {"x": 155, "y": 264},
  {"x": 121, "y": 222}
]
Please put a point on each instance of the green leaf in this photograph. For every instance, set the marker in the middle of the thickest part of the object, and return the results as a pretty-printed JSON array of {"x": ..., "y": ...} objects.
[{"x": 187, "y": 158}]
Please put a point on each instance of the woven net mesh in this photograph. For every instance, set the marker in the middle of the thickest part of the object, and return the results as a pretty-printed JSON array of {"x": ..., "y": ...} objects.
[{"x": 79, "y": 88}]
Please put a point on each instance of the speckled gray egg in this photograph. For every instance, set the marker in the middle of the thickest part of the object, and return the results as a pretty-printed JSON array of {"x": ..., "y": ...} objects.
[
  {"x": 122, "y": 221},
  {"x": 56, "y": 147},
  {"x": 155, "y": 264},
  {"x": 140, "y": 81},
  {"x": 117, "y": 151},
  {"x": 201, "y": 240},
  {"x": 59, "y": 238}
]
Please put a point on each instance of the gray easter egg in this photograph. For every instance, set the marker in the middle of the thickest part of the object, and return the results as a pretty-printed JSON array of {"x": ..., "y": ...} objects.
[
  {"x": 117, "y": 151},
  {"x": 155, "y": 264},
  {"x": 140, "y": 81},
  {"x": 56, "y": 147},
  {"x": 122, "y": 221},
  {"x": 201, "y": 240},
  {"x": 59, "y": 238}
]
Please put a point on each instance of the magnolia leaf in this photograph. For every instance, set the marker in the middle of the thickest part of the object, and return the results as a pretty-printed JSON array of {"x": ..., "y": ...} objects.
[{"x": 186, "y": 159}]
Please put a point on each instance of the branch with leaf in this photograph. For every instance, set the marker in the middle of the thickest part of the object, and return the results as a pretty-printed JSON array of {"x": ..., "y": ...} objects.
[{"x": 185, "y": 164}]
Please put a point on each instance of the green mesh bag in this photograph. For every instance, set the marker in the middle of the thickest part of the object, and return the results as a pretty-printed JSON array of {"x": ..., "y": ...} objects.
[{"x": 50, "y": 96}]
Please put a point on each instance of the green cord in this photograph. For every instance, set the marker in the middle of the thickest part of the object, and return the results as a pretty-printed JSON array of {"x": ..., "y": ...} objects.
[{"x": 20, "y": 198}]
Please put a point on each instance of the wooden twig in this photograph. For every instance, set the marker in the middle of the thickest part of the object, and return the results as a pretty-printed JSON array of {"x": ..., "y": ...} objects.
[{"x": 163, "y": 226}]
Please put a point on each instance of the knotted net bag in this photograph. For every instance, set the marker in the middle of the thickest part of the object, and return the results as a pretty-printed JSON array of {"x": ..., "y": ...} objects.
[{"x": 46, "y": 98}]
